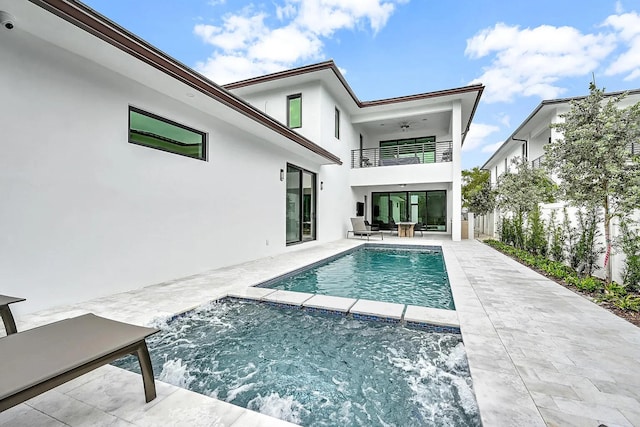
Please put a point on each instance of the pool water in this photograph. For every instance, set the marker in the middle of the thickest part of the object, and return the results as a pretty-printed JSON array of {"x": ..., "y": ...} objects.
[
  {"x": 405, "y": 276},
  {"x": 314, "y": 369}
]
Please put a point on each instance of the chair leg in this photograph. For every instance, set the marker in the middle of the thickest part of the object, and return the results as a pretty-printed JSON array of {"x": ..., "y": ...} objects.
[
  {"x": 7, "y": 318},
  {"x": 147, "y": 371}
]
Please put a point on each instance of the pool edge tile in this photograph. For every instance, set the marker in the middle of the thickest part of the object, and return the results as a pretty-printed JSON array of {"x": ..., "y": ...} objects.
[
  {"x": 331, "y": 303},
  {"x": 431, "y": 316},
  {"x": 383, "y": 310},
  {"x": 287, "y": 297}
]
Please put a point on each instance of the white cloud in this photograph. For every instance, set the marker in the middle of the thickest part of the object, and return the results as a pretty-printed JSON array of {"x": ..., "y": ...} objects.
[
  {"x": 246, "y": 46},
  {"x": 531, "y": 61},
  {"x": 505, "y": 120},
  {"x": 477, "y": 134},
  {"x": 619, "y": 7},
  {"x": 492, "y": 148},
  {"x": 627, "y": 27}
]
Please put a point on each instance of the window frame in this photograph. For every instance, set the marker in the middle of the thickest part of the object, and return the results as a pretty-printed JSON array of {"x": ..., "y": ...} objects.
[
  {"x": 204, "y": 135},
  {"x": 336, "y": 131},
  {"x": 289, "y": 99}
]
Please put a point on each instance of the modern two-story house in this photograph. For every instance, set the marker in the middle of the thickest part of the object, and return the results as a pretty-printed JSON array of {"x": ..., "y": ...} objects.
[
  {"x": 402, "y": 156},
  {"x": 123, "y": 167}
]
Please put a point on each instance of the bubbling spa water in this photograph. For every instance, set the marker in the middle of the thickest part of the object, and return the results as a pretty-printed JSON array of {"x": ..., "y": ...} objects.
[{"x": 316, "y": 370}]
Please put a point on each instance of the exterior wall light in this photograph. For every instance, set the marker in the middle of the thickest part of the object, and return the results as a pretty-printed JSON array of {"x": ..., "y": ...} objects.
[
  {"x": 321, "y": 185},
  {"x": 281, "y": 174}
]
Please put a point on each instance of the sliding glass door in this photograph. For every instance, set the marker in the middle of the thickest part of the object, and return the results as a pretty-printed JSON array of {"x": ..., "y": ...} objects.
[
  {"x": 301, "y": 205},
  {"x": 426, "y": 207}
]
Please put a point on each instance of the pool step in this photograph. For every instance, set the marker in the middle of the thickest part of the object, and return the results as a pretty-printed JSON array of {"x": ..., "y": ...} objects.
[{"x": 435, "y": 319}]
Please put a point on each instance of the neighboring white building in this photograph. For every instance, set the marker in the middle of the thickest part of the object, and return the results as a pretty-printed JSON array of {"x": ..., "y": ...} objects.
[
  {"x": 528, "y": 142},
  {"x": 122, "y": 167}
]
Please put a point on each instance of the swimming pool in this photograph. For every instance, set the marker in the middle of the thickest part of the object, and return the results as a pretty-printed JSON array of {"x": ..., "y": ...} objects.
[
  {"x": 314, "y": 369},
  {"x": 414, "y": 276}
]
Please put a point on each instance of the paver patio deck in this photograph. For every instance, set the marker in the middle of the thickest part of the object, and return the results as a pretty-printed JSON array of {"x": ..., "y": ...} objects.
[{"x": 538, "y": 353}]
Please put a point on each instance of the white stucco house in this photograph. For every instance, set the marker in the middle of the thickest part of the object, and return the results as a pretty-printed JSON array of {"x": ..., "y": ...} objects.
[
  {"x": 123, "y": 167},
  {"x": 528, "y": 141}
]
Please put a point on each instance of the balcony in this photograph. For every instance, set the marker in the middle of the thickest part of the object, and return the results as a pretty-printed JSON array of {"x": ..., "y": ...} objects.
[
  {"x": 537, "y": 163},
  {"x": 408, "y": 154}
]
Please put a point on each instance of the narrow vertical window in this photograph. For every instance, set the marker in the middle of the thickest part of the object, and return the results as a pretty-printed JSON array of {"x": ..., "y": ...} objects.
[
  {"x": 337, "y": 124},
  {"x": 506, "y": 165},
  {"x": 524, "y": 151},
  {"x": 294, "y": 111}
]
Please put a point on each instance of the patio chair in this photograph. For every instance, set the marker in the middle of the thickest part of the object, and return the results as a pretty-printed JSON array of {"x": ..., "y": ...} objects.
[
  {"x": 393, "y": 226},
  {"x": 419, "y": 227},
  {"x": 39, "y": 359},
  {"x": 370, "y": 227},
  {"x": 360, "y": 229}
]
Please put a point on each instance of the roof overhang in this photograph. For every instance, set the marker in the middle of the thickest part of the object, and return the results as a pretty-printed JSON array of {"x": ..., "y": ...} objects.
[
  {"x": 77, "y": 28},
  {"x": 365, "y": 111}
]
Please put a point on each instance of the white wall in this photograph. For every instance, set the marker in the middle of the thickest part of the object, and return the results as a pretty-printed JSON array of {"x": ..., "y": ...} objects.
[
  {"x": 336, "y": 201},
  {"x": 84, "y": 213}
]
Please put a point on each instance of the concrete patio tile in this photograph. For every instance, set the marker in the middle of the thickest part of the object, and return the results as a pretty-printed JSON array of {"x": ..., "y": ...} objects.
[
  {"x": 330, "y": 303},
  {"x": 287, "y": 297},
  {"x": 73, "y": 412},
  {"x": 251, "y": 293},
  {"x": 633, "y": 415},
  {"x": 190, "y": 409},
  {"x": 552, "y": 389},
  {"x": 24, "y": 415},
  {"x": 490, "y": 361},
  {"x": 378, "y": 308},
  {"x": 255, "y": 419},
  {"x": 543, "y": 400},
  {"x": 120, "y": 393},
  {"x": 604, "y": 414},
  {"x": 621, "y": 385},
  {"x": 494, "y": 389},
  {"x": 556, "y": 418}
]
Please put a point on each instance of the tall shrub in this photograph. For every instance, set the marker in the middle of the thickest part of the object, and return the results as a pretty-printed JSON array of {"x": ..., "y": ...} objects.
[
  {"x": 556, "y": 239},
  {"x": 536, "y": 241},
  {"x": 506, "y": 231},
  {"x": 520, "y": 191},
  {"x": 587, "y": 249},
  {"x": 630, "y": 246}
]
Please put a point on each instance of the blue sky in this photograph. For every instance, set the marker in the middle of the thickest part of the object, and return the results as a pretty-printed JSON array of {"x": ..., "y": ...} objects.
[{"x": 523, "y": 52}]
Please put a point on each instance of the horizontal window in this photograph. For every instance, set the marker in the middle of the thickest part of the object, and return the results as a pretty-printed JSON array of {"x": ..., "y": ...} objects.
[{"x": 162, "y": 134}]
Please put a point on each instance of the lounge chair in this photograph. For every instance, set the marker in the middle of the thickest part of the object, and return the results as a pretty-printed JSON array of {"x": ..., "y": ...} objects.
[
  {"x": 39, "y": 359},
  {"x": 360, "y": 229}
]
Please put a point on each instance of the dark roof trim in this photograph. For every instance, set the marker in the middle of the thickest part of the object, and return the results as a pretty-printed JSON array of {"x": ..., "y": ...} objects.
[
  {"x": 330, "y": 65},
  {"x": 546, "y": 102},
  {"x": 94, "y": 23}
]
